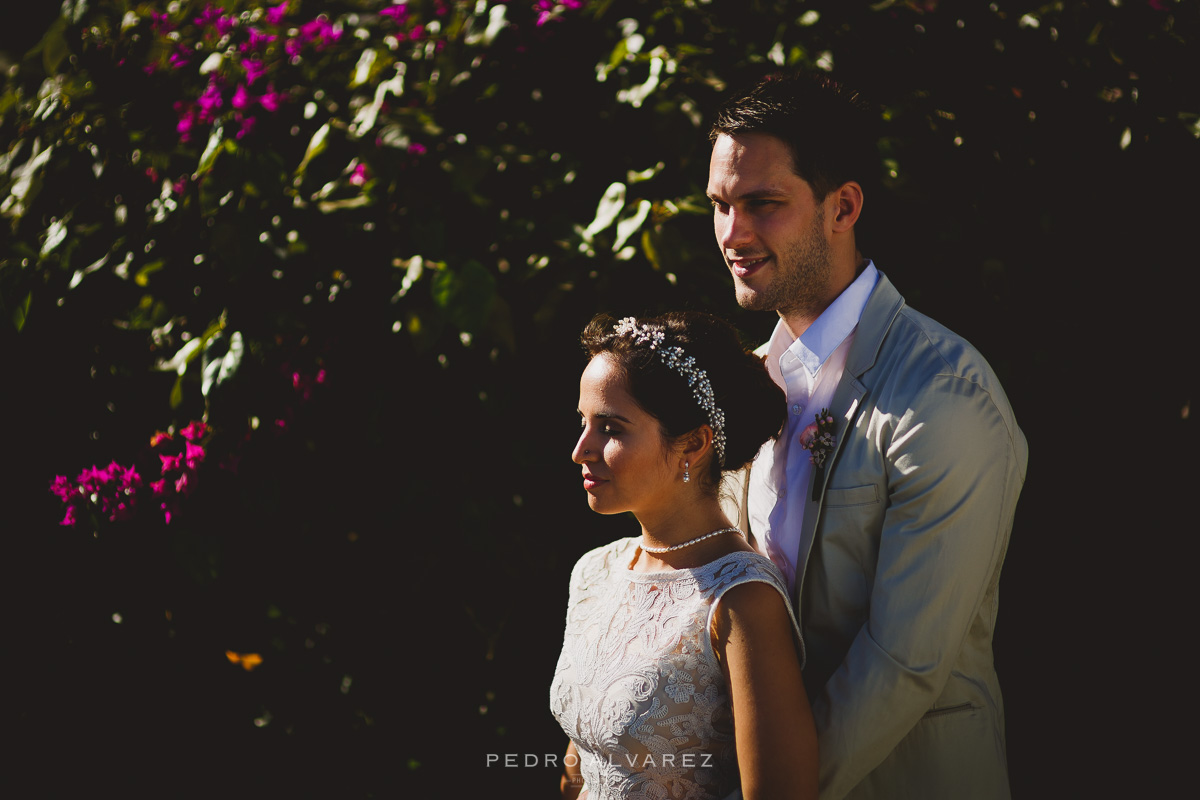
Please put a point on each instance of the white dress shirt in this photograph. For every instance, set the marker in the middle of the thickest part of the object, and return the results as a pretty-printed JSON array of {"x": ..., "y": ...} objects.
[{"x": 808, "y": 369}]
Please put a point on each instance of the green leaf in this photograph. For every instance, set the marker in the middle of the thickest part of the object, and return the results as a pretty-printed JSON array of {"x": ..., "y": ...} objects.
[
  {"x": 316, "y": 146},
  {"x": 177, "y": 392},
  {"x": 142, "y": 278},
  {"x": 222, "y": 357},
  {"x": 607, "y": 210},
  {"x": 54, "y": 46},
  {"x": 21, "y": 312},
  {"x": 211, "y": 151},
  {"x": 465, "y": 294}
]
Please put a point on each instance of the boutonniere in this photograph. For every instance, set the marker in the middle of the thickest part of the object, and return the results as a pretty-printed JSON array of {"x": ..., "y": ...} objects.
[{"x": 818, "y": 438}]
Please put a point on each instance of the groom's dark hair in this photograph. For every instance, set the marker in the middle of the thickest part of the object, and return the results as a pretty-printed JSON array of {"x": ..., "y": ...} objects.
[{"x": 828, "y": 128}]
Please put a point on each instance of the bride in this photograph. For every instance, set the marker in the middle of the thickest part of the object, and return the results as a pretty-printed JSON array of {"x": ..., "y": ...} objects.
[{"x": 680, "y": 669}]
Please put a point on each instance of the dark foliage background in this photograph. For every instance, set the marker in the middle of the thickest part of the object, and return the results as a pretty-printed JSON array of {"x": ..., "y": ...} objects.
[{"x": 385, "y": 512}]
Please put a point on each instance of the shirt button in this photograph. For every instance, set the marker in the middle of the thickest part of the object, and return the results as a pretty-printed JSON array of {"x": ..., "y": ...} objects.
[{"x": 797, "y": 408}]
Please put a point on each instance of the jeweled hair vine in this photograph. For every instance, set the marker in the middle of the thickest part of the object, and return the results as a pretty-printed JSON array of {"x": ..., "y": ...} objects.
[{"x": 675, "y": 358}]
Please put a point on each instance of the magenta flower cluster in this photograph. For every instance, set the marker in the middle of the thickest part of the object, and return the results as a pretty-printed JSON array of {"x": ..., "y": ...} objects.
[
  {"x": 111, "y": 492},
  {"x": 178, "y": 468},
  {"x": 546, "y": 9},
  {"x": 227, "y": 92},
  {"x": 304, "y": 383}
]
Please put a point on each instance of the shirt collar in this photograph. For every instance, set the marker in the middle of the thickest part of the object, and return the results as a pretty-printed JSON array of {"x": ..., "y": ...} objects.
[{"x": 830, "y": 329}]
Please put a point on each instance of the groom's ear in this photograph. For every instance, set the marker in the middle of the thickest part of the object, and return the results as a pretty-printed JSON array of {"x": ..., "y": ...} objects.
[{"x": 847, "y": 203}]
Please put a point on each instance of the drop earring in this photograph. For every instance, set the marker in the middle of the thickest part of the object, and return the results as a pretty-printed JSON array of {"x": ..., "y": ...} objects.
[{"x": 687, "y": 476}]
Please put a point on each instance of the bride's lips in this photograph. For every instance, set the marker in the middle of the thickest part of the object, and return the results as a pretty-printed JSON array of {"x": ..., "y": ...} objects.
[
  {"x": 745, "y": 267},
  {"x": 591, "y": 482}
]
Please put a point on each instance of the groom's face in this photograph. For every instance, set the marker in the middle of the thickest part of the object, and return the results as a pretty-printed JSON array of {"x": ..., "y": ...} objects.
[{"x": 769, "y": 226}]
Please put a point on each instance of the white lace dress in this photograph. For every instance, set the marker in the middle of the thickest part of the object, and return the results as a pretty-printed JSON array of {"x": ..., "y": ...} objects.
[{"x": 638, "y": 688}]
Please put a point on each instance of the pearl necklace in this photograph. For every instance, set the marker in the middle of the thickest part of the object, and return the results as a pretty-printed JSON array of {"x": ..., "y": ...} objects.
[{"x": 689, "y": 543}]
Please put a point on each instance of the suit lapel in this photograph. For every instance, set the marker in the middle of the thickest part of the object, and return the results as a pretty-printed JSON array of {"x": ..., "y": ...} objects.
[{"x": 881, "y": 309}]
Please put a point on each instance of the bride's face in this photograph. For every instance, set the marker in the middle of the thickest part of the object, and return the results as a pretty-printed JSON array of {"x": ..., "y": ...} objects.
[{"x": 627, "y": 464}]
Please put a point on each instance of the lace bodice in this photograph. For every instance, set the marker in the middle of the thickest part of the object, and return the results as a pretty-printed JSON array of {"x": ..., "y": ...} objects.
[{"x": 638, "y": 688}]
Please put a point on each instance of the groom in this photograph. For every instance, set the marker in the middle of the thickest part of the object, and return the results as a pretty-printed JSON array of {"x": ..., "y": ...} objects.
[{"x": 892, "y": 528}]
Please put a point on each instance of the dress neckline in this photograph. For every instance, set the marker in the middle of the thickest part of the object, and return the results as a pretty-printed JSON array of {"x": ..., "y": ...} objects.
[{"x": 624, "y": 553}]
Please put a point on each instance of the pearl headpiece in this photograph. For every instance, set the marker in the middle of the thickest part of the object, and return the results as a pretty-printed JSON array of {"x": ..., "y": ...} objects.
[{"x": 685, "y": 365}]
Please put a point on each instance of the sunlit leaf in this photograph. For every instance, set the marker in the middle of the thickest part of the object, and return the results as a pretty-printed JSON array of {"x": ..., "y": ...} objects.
[
  {"x": 211, "y": 150},
  {"x": 222, "y": 357},
  {"x": 55, "y": 235},
  {"x": 316, "y": 146},
  {"x": 606, "y": 212},
  {"x": 364, "y": 120},
  {"x": 142, "y": 278},
  {"x": 179, "y": 361},
  {"x": 628, "y": 226}
]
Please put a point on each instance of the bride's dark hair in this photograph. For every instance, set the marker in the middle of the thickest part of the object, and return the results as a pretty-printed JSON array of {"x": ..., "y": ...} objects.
[{"x": 753, "y": 405}]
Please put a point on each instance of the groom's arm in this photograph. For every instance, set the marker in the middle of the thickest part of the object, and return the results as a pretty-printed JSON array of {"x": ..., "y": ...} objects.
[{"x": 953, "y": 471}]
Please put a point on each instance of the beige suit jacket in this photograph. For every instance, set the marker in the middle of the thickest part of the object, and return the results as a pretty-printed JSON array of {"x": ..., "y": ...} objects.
[{"x": 897, "y": 595}]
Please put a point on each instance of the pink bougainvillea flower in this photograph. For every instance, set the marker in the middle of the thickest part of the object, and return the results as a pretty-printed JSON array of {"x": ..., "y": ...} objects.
[
  {"x": 184, "y": 128},
  {"x": 225, "y": 24},
  {"x": 170, "y": 463},
  {"x": 210, "y": 101},
  {"x": 194, "y": 455},
  {"x": 257, "y": 40},
  {"x": 159, "y": 486},
  {"x": 209, "y": 15},
  {"x": 241, "y": 98},
  {"x": 271, "y": 100},
  {"x": 181, "y": 57},
  {"x": 293, "y": 47},
  {"x": 178, "y": 187},
  {"x": 159, "y": 437},
  {"x": 275, "y": 14},
  {"x": 255, "y": 69},
  {"x": 417, "y": 32},
  {"x": 161, "y": 24},
  {"x": 195, "y": 430},
  {"x": 358, "y": 178},
  {"x": 417, "y": 149},
  {"x": 320, "y": 30},
  {"x": 398, "y": 12},
  {"x": 62, "y": 488},
  {"x": 111, "y": 491},
  {"x": 247, "y": 125}
]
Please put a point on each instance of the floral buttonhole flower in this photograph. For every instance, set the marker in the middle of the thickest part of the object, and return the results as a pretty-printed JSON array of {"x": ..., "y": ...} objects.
[{"x": 818, "y": 439}]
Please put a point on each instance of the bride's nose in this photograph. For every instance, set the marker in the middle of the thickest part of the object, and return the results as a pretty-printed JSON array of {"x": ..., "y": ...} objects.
[{"x": 583, "y": 449}]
